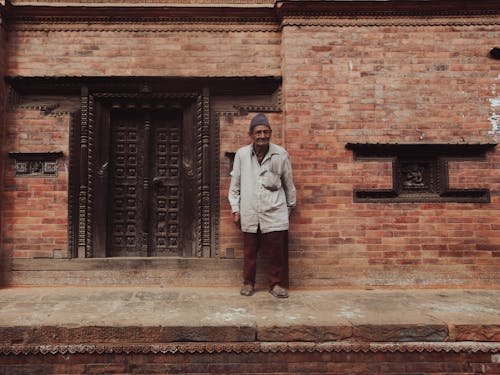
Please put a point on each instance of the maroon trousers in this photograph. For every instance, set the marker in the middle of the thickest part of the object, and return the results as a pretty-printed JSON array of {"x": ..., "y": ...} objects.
[{"x": 275, "y": 246}]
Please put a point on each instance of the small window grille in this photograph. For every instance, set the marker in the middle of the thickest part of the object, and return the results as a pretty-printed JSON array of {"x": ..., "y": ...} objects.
[{"x": 420, "y": 172}]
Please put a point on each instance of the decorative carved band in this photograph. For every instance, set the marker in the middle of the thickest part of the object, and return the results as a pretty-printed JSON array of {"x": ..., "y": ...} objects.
[
  {"x": 387, "y": 8},
  {"x": 184, "y": 3},
  {"x": 206, "y": 192},
  {"x": 270, "y": 16},
  {"x": 199, "y": 169},
  {"x": 90, "y": 176},
  {"x": 82, "y": 251},
  {"x": 145, "y": 28},
  {"x": 152, "y": 26},
  {"x": 253, "y": 347},
  {"x": 386, "y": 21}
]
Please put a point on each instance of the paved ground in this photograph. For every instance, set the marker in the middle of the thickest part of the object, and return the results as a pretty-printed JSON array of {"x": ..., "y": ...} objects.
[{"x": 71, "y": 315}]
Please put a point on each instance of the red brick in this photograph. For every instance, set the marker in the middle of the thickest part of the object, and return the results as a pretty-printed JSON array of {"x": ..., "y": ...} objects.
[
  {"x": 356, "y": 363},
  {"x": 340, "y": 85}
]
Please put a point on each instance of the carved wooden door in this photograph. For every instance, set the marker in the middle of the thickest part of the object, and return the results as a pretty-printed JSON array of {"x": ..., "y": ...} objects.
[{"x": 145, "y": 184}]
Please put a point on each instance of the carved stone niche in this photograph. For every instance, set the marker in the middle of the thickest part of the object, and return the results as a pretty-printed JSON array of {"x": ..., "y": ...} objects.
[
  {"x": 35, "y": 164},
  {"x": 420, "y": 172}
]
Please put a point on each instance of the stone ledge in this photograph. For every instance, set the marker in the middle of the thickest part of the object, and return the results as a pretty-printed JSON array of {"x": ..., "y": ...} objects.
[
  {"x": 124, "y": 335},
  {"x": 122, "y": 316},
  {"x": 157, "y": 271},
  {"x": 110, "y": 264},
  {"x": 226, "y": 272}
]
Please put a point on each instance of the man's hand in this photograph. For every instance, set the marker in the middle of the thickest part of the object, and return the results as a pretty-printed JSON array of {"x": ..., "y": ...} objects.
[{"x": 236, "y": 218}]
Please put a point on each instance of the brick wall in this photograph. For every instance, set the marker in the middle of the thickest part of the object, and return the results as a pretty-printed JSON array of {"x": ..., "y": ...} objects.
[
  {"x": 34, "y": 209},
  {"x": 118, "y": 52},
  {"x": 387, "y": 84},
  {"x": 356, "y": 363}
]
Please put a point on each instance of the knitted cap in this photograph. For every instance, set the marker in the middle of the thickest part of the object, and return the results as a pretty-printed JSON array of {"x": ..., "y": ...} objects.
[{"x": 259, "y": 119}]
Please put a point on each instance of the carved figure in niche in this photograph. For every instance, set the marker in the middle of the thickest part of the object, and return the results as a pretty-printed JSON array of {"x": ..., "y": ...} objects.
[
  {"x": 262, "y": 196},
  {"x": 36, "y": 167},
  {"x": 413, "y": 176}
]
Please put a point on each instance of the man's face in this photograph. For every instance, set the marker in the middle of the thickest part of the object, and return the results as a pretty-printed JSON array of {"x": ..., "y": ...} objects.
[{"x": 261, "y": 135}]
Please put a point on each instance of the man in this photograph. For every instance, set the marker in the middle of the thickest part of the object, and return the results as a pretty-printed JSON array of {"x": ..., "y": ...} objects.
[{"x": 262, "y": 195}]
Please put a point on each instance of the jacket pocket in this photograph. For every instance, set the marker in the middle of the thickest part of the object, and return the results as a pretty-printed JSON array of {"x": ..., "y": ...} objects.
[{"x": 271, "y": 181}]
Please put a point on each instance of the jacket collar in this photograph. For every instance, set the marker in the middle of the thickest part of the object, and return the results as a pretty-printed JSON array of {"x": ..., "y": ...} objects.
[{"x": 273, "y": 150}]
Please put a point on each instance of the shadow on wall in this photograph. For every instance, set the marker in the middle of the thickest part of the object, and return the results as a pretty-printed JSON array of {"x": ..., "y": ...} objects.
[
  {"x": 3, "y": 271},
  {"x": 5, "y": 264},
  {"x": 5, "y": 261}
]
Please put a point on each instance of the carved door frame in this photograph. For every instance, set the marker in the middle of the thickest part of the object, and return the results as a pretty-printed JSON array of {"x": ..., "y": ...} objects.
[{"x": 87, "y": 237}]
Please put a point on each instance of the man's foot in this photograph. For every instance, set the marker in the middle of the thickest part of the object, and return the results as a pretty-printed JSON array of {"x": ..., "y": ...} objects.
[
  {"x": 246, "y": 290},
  {"x": 279, "y": 292}
]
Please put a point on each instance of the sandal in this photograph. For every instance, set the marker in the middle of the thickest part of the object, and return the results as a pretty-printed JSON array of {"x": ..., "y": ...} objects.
[
  {"x": 246, "y": 290},
  {"x": 279, "y": 292}
]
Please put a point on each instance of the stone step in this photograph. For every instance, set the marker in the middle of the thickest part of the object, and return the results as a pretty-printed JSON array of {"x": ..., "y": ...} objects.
[
  {"x": 177, "y": 272},
  {"x": 69, "y": 316}
]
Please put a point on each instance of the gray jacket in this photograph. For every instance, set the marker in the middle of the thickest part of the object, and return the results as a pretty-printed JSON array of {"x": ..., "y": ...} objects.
[{"x": 264, "y": 193}]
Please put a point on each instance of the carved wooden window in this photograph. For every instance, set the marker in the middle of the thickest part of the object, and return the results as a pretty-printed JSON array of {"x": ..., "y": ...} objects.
[
  {"x": 35, "y": 164},
  {"x": 420, "y": 172}
]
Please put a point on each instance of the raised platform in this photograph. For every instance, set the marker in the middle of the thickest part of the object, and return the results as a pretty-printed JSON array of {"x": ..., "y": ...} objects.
[
  {"x": 81, "y": 324},
  {"x": 227, "y": 272},
  {"x": 30, "y": 317},
  {"x": 101, "y": 272}
]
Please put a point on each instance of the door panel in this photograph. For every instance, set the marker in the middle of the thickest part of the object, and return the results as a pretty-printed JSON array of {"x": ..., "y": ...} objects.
[
  {"x": 145, "y": 184},
  {"x": 166, "y": 192}
]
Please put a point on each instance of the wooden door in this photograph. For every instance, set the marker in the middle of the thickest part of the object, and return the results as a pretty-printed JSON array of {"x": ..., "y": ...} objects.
[{"x": 145, "y": 184}]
